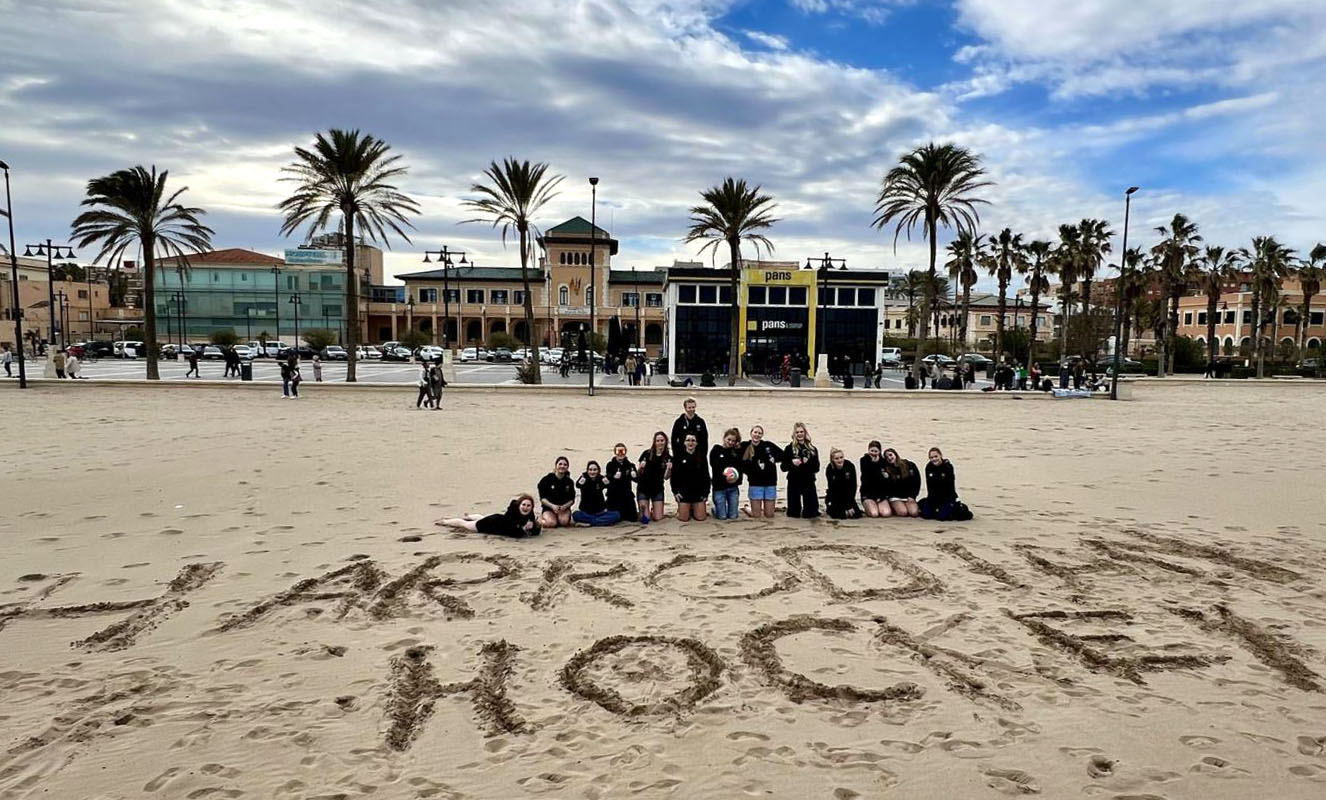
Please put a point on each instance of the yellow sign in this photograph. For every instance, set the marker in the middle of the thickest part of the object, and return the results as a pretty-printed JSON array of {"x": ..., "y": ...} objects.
[{"x": 778, "y": 277}]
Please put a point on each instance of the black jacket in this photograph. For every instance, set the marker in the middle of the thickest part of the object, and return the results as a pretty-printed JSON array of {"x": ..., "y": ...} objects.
[
  {"x": 940, "y": 482},
  {"x": 510, "y": 522},
  {"x": 620, "y": 474},
  {"x": 684, "y": 426},
  {"x": 593, "y": 493},
  {"x": 840, "y": 489},
  {"x": 650, "y": 479},
  {"x": 898, "y": 486},
  {"x": 810, "y": 466},
  {"x": 872, "y": 479},
  {"x": 761, "y": 469},
  {"x": 690, "y": 476},
  {"x": 720, "y": 458},
  {"x": 558, "y": 491}
]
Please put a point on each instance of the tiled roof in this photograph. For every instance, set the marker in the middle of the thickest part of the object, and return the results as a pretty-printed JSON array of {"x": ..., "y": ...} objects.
[
  {"x": 474, "y": 274},
  {"x": 575, "y": 226},
  {"x": 237, "y": 256},
  {"x": 651, "y": 276}
]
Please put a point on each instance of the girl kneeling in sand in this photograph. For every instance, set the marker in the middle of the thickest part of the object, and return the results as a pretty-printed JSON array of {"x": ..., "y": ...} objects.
[
  {"x": 518, "y": 521},
  {"x": 902, "y": 482},
  {"x": 941, "y": 501},
  {"x": 690, "y": 481},
  {"x": 759, "y": 463},
  {"x": 874, "y": 493},
  {"x": 840, "y": 487},
  {"x": 557, "y": 493},
  {"x": 594, "y": 509}
]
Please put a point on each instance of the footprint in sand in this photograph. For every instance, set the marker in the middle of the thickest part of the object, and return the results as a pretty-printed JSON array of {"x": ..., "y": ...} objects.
[
  {"x": 1198, "y": 741},
  {"x": 1307, "y": 745},
  {"x": 1010, "y": 781},
  {"x": 161, "y": 780},
  {"x": 1100, "y": 766},
  {"x": 1217, "y": 767}
]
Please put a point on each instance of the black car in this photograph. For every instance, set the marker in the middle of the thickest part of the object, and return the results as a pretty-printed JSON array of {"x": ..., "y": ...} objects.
[
  {"x": 303, "y": 352},
  {"x": 501, "y": 355},
  {"x": 99, "y": 349}
]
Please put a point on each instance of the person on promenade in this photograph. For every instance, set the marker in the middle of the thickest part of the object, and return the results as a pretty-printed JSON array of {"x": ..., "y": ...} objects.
[
  {"x": 317, "y": 368},
  {"x": 518, "y": 521},
  {"x": 191, "y": 356},
  {"x": 649, "y": 373},
  {"x": 641, "y": 366},
  {"x": 689, "y": 422},
  {"x": 290, "y": 378},
  {"x": 725, "y": 469},
  {"x": 59, "y": 361},
  {"x": 436, "y": 383},
  {"x": 690, "y": 481},
  {"x": 902, "y": 482},
  {"x": 594, "y": 511},
  {"x": 801, "y": 462},
  {"x": 8, "y": 359},
  {"x": 557, "y": 493},
  {"x": 1022, "y": 377},
  {"x": 759, "y": 463},
  {"x": 425, "y": 398},
  {"x": 72, "y": 366},
  {"x": 840, "y": 487},
  {"x": 629, "y": 370},
  {"x": 1035, "y": 375},
  {"x": 655, "y": 468},
  {"x": 874, "y": 492},
  {"x": 941, "y": 501},
  {"x": 621, "y": 473}
]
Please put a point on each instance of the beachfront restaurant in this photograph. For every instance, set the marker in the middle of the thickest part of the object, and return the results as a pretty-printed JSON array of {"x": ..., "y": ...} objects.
[{"x": 784, "y": 309}]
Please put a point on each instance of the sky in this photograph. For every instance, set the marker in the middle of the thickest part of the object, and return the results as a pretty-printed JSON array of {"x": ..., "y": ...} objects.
[{"x": 1217, "y": 110}]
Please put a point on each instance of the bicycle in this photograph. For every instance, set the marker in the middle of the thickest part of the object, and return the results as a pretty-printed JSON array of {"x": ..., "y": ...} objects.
[{"x": 776, "y": 374}]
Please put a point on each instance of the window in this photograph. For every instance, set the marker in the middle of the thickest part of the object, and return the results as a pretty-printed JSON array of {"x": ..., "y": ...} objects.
[
  {"x": 1316, "y": 317},
  {"x": 1247, "y": 317},
  {"x": 653, "y": 300},
  {"x": 518, "y": 297},
  {"x": 985, "y": 320},
  {"x": 725, "y": 295},
  {"x": 630, "y": 299},
  {"x": 796, "y": 295},
  {"x": 452, "y": 295},
  {"x": 865, "y": 297},
  {"x": 563, "y": 296},
  {"x": 777, "y": 295},
  {"x": 589, "y": 295},
  {"x": 827, "y": 296},
  {"x": 846, "y": 297},
  {"x": 757, "y": 296},
  {"x": 1201, "y": 317},
  {"x": 428, "y": 295},
  {"x": 500, "y": 297},
  {"x": 1229, "y": 317},
  {"x": 474, "y": 295},
  {"x": 332, "y": 311},
  {"x": 82, "y": 316},
  {"x": 708, "y": 295},
  {"x": 561, "y": 257},
  {"x": 292, "y": 282},
  {"x": 82, "y": 294},
  {"x": 1290, "y": 317},
  {"x": 1187, "y": 318},
  {"x": 244, "y": 276},
  {"x": 216, "y": 277},
  {"x": 897, "y": 323},
  {"x": 686, "y": 294}
]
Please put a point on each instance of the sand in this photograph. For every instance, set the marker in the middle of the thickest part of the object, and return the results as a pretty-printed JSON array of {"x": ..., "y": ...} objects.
[{"x": 221, "y": 594}]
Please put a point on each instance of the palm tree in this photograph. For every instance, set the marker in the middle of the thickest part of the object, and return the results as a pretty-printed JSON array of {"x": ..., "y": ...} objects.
[
  {"x": 1095, "y": 241},
  {"x": 1039, "y": 282},
  {"x": 913, "y": 285},
  {"x": 1270, "y": 262},
  {"x": 732, "y": 212},
  {"x": 1217, "y": 266},
  {"x": 515, "y": 192},
  {"x": 1310, "y": 276},
  {"x": 128, "y": 207},
  {"x": 1175, "y": 255},
  {"x": 1066, "y": 260},
  {"x": 931, "y": 186},
  {"x": 1005, "y": 258},
  {"x": 351, "y": 174},
  {"x": 1133, "y": 284},
  {"x": 965, "y": 252}
]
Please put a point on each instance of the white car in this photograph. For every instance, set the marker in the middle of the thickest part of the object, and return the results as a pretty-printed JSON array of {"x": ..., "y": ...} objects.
[
  {"x": 553, "y": 355},
  {"x": 429, "y": 352},
  {"x": 128, "y": 349},
  {"x": 244, "y": 352},
  {"x": 274, "y": 346},
  {"x": 368, "y": 351},
  {"x": 212, "y": 353},
  {"x": 469, "y": 354}
]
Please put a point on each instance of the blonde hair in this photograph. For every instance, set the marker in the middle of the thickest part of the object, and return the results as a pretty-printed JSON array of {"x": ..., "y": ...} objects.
[
  {"x": 750, "y": 448},
  {"x": 836, "y": 452},
  {"x": 803, "y": 427},
  {"x": 690, "y": 399}
]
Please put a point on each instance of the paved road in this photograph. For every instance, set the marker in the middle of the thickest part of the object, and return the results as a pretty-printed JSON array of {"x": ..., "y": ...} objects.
[{"x": 265, "y": 370}]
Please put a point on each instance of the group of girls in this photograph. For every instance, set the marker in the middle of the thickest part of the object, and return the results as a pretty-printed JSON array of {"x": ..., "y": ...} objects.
[{"x": 887, "y": 484}]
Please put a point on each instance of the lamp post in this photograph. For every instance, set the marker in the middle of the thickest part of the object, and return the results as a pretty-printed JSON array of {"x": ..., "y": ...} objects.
[
  {"x": 51, "y": 251},
  {"x": 62, "y": 303},
  {"x": 444, "y": 258},
  {"x": 248, "y": 323},
  {"x": 593, "y": 295},
  {"x": 635, "y": 280},
  {"x": 409, "y": 313},
  {"x": 276, "y": 295},
  {"x": 13, "y": 268},
  {"x": 180, "y": 302},
  {"x": 295, "y": 301},
  {"x": 1118, "y": 298},
  {"x": 825, "y": 264}
]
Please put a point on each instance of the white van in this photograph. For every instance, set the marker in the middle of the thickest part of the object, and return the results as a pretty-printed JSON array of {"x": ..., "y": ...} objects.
[
  {"x": 890, "y": 356},
  {"x": 274, "y": 347}
]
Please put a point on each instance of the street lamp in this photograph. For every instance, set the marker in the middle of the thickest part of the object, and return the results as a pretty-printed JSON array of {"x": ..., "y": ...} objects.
[
  {"x": 295, "y": 301},
  {"x": 409, "y": 313},
  {"x": 593, "y": 295},
  {"x": 444, "y": 258},
  {"x": 51, "y": 251},
  {"x": 62, "y": 300},
  {"x": 276, "y": 295},
  {"x": 825, "y": 264},
  {"x": 13, "y": 268},
  {"x": 1118, "y": 298},
  {"x": 635, "y": 280},
  {"x": 180, "y": 302}
]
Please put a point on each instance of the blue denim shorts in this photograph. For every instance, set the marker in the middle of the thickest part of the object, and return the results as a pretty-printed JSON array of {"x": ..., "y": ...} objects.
[
  {"x": 763, "y": 493},
  {"x": 644, "y": 498}
]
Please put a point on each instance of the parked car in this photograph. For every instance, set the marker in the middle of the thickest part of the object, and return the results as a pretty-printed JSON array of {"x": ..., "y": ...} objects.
[
  {"x": 428, "y": 352},
  {"x": 890, "y": 356},
  {"x": 274, "y": 346},
  {"x": 975, "y": 359},
  {"x": 243, "y": 351},
  {"x": 553, "y": 355},
  {"x": 522, "y": 354},
  {"x": 128, "y": 349},
  {"x": 99, "y": 349},
  {"x": 390, "y": 346},
  {"x": 1125, "y": 365},
  {"x": 469, "y": 354},
  {"x": 944, "y": 361},
  {"x": 76, "y": 349},
  {"x": 303, "y": 352},
  {"x": 367, "y": 351},
  {"x": 213, "y": 353},
  {"x": 1308, "y": 363},
  {"x": 334, "y": 352},
  {"x": 396, "y": 353},
  {"x": 501, "y": 355},
  {"x": 169, "y": 352}
]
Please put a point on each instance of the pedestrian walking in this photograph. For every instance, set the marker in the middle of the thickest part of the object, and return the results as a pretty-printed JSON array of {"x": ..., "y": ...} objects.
[
  {"x": 317, "y": 369},
  {"x": 649, "y": 373},
  {"x": 59, "y": 361},
  {"x": 630, "y": 370},
  {"x": 72, "y": 366},
  {"x": 193, "y": 363},
  {"x": 8, "y": 359},
  {"x": 425, "y": 398},
  {"x": 436, "y": 383},
  {"x": 290, "y": 378}
]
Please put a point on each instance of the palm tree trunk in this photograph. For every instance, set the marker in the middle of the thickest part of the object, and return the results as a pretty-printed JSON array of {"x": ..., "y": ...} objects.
[
  {"x": 1212, "y": 350},
  {"x": 351, "y": 297},
  {"x": 966, "y": 312},
  {"x": 1066, "y": 306},
  {"x": 150, "y": 310},
  {"x": 925, "y": 300},
  {"x": 999, "y": 322},
  {"x": 1127, "y": 330},
  {"x": 1035, "y": 300},
  {"x": 1257, "y": 325},
  {"x": 529, "y": 305},
  {"x": 1303, "y": 313},
  {"x": 1086, "y": 295},
  {"x": 1173, "y": 327},
  {"x": 733, "y": 357}
]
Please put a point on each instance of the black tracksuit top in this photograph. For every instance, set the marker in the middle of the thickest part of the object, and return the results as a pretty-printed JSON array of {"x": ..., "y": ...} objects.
[
  {"x": 620, "y": 474},
  {"x": 693, "y": 425},
  {"x": 558, "y": 491},
  {"x": 804, "y": 474},
  {"x": 761, "y": 469},
  {"x": 873, "y": 484},
  {"x": 690, "y": 476},
  {"x": 720, "y": 458},
  {"x": 593, "y": 493},
  {"x": 840, "y": 488},
  {"x": 909, "y": 486},
  {"x": 650, "y": 479},
  {"x": 941, "y": 483}
]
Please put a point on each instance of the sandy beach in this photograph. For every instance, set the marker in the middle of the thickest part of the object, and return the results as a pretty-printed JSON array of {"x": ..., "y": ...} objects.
[{"x": 211, "y": 593}]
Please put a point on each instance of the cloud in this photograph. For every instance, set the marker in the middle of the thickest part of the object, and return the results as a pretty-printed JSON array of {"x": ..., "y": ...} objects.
[
  {"x": 871, "y": 11},
  {"x": 769, "y": 40}
]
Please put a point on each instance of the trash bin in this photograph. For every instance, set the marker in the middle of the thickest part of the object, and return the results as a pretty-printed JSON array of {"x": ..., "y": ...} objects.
[
  {"x": 989, "y": 371},
  {"x": 794, "y": 378},
  {"x": 246, "y": 371}
]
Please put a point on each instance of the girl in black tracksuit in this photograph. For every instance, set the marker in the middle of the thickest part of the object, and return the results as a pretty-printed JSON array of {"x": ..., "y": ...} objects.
[
  {"x": 840, "y": 487},
  {"x": 557, "y": 493},
  {"x": 759, "y": 463},
  {"x": 941, "y": 500},
  {"x": 874, "y": 495},
  {"x": 902, "y": 482},
  {"x": 690, "y": 481},
  {"x": 801, "y": 462},
  {"x": 517, "y": 522},
  {"x": 724, "y": 456},
  {"x": 620, "y": 472},
  {"x": 654, "y": 469}
]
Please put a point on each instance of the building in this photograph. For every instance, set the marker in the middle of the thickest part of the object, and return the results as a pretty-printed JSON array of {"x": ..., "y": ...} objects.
[
  {"x": 81, "y": 306},
  {"x": 1234, "y": 327},
  {"x": 467, "y": 304},
  {"x": 783, "y": 310}
]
